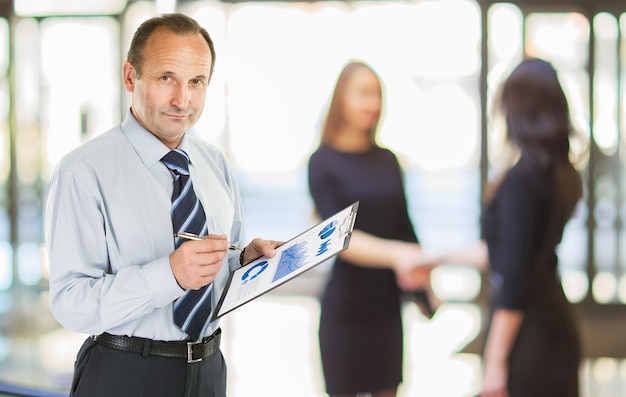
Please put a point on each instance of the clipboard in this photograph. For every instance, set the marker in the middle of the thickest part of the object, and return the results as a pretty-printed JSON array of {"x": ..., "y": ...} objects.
[{"x": 294, "y": 257}]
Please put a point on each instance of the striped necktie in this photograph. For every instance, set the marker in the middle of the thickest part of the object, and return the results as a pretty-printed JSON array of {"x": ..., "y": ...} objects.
[{"x": 192, "y": 310}]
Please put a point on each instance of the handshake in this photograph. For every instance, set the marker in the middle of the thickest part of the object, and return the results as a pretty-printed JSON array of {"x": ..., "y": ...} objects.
[
  {"x": 413, "y": 268},
  {"x": 411, "y": 264}
]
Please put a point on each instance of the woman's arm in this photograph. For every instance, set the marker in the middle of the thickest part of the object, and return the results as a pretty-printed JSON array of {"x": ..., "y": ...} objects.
[
  {"x": 371, "y": 251},
  {"x": 502, "y": 333},
  {"x": 475, "y": 256},
  {"x": 414, "y": 274}
]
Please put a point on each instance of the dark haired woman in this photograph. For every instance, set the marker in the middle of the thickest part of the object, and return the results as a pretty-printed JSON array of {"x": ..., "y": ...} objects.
[{"x": 532, "y": 347}]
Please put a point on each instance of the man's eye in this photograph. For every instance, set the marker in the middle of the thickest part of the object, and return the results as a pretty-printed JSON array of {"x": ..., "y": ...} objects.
[
  {"x": 197, "y": 81},
  {"x": 166, "y": 78}
]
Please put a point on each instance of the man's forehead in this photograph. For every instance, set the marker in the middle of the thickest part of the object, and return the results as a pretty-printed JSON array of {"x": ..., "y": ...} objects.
[
  {"x": 162, "y": 36},
  {"x": 176, "y": 51}
]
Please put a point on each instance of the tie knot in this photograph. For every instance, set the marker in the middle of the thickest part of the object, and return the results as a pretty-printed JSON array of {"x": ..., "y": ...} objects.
[{"x": 177, "y": 161}]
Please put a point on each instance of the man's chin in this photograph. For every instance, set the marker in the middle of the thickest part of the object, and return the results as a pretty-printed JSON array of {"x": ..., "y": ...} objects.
[{"x": 179, "y": 126}]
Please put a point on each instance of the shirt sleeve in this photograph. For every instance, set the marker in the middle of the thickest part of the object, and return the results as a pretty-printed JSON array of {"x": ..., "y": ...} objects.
[
  {"x": 516, "y": 215},
  {"x": 237, "y": 235},
  {"x": 85, "y": 295}
]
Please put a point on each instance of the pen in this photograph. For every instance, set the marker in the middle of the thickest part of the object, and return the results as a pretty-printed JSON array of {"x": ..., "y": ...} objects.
[{"x": 191, "y": 236}]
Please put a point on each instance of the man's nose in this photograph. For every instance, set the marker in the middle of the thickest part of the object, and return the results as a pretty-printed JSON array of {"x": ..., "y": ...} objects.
[{"x": 181, "y": 96}]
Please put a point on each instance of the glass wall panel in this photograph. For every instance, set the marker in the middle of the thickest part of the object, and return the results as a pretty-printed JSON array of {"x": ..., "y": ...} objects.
[
  {"x": 136, "y": 13},
  {"x": 6, "y": 263},
  {"x": 606, "y": 164},
  {"x": 605, "y": 129},
  {"x": 67, "y": 78},
  {"x": 505, "y": 49},
  {"x": 28, "y": 147},
  {"x": 79, "y": 95},
  {"x": 563, "y": 40},
  {"x": 80, "y": 104},
  {"x": 212, "y": 124},
  {"x": 621, "y": 164},
  {"x": 68, "y": 7},
  {"x": 278, "y": 80}
]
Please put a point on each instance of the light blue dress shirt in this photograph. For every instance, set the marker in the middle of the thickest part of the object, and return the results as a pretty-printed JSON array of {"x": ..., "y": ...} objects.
[{"x": 109, "y": 231}]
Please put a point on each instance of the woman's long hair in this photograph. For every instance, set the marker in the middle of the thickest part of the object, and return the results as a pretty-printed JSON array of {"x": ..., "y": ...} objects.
[
  {"x": 536, "y": 113},
  {"x": 335, "y": 116},
  {"x": 538, "y": 123}
]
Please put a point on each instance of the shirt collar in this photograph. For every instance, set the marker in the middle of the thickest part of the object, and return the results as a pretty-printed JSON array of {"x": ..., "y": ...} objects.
[{"x": 147, "y": 146}]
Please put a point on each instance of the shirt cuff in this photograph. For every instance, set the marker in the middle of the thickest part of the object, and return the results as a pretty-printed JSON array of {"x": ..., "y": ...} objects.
[
  {"x": 233, "y": 261},
  {"x": 161, "y": 282}
]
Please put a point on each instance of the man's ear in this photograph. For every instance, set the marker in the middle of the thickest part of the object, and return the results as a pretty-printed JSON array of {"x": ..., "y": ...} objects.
[{"x": 129, "y": 75}]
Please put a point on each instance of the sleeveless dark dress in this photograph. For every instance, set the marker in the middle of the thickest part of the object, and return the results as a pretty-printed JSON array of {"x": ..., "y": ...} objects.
[
  {"x": 522, "y": 227},
  {"x": 360, "y": 330}
]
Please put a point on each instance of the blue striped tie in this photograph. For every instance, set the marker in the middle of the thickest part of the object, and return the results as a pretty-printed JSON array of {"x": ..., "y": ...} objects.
[{"x": 192, "y": 310}]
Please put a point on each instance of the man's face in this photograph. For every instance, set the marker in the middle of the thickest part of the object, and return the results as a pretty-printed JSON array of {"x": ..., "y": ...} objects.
[{"x": 168, "y": 96}]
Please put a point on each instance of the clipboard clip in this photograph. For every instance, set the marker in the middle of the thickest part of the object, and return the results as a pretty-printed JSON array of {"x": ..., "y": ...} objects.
[{"x": 348, "y": 224}]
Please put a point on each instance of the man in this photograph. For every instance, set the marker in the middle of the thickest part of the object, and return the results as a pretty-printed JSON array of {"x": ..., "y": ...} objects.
[{"x": 113, "y": 207}]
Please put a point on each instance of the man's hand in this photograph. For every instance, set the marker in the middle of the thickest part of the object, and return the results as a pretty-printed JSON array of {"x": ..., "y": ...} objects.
[
  {"x": 196, "y": 263},
  {"x": 258, "y": 248}
]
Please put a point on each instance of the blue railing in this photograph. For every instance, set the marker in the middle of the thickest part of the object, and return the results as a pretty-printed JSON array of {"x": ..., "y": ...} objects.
[{"x": 19, "y": 391}]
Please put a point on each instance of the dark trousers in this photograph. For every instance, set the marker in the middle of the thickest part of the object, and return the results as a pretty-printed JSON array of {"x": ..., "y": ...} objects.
[{"x": 104, "y": 372}]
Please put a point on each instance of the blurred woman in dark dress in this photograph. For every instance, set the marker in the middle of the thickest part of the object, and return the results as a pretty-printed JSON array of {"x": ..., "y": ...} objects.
[
  {"x": 532, "y": 347},
  {"x": 360, "y": 326}
]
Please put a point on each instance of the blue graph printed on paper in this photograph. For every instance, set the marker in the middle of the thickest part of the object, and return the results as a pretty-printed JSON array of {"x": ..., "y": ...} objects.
[
  {"x": 290, "y": 260},
  {"x": 328, "y": 230},
  {"x": 253, "y": 272},
  {"x": 323, "y": 248},
  {"x": 324, "y": 234}
]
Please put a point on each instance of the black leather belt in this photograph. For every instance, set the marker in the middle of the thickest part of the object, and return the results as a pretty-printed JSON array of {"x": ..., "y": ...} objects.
[{"x": 191, "y": 351}]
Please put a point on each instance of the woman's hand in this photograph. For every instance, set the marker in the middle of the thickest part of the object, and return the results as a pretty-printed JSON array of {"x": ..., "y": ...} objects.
[
  {"x": 503, "y": 330},
  {"x": 414, "y": 273},
  {"x": 495, "y": 380},
  {"x": 405, "y": 256}
]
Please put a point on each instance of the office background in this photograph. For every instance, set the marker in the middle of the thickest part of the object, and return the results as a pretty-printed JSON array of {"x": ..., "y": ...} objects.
[{"x": 440, "y": 61}]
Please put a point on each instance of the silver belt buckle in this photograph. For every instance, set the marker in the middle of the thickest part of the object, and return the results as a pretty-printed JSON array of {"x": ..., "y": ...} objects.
[{"x": 190, "y": 358}]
